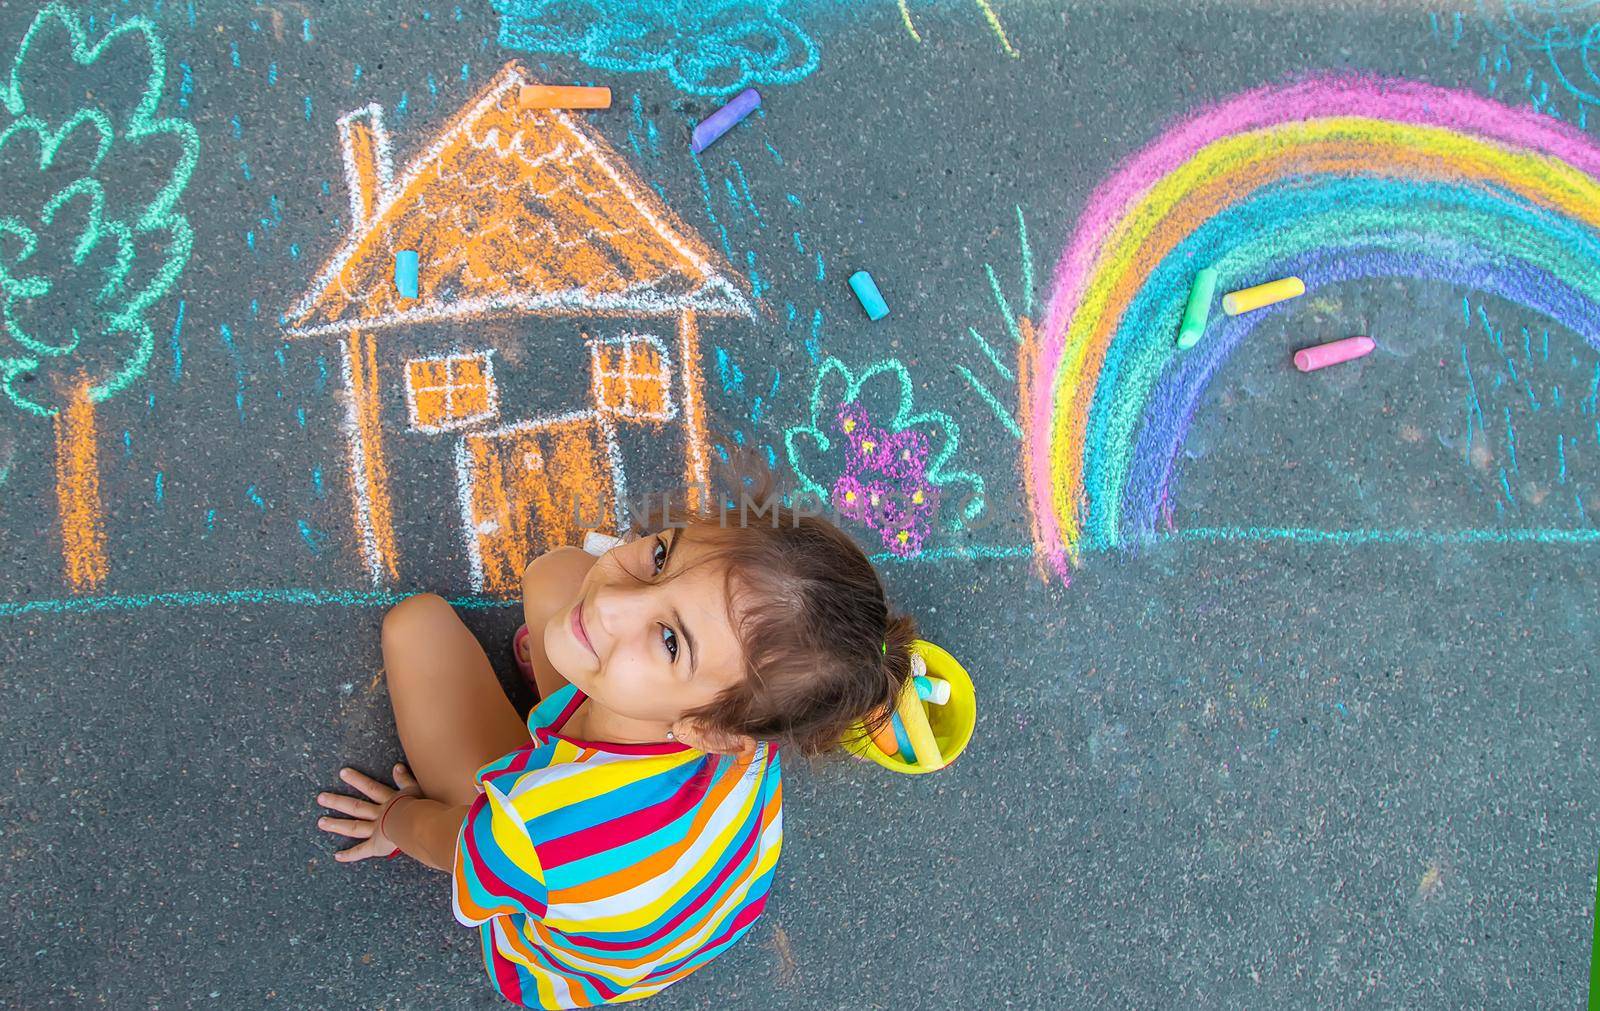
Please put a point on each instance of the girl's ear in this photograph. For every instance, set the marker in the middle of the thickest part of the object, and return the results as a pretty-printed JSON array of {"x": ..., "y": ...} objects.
[{"x": 712, "y": 741}]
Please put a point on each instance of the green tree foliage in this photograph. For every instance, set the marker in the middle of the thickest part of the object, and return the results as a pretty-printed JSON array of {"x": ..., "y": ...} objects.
[{"x": 90, "y": 237}]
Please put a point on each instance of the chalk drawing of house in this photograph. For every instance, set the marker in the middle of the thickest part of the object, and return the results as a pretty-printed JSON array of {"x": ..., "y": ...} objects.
[{"x": 553, "y": 347}]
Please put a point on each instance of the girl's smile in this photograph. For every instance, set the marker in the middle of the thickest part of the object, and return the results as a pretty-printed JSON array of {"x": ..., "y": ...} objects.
[
  {"x": 579, "y": 631},
  {"x": 648, "y": 636}
]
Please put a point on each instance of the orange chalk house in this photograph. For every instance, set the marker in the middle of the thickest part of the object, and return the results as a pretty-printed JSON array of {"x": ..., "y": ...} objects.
[{"x": 555, "y": 339}]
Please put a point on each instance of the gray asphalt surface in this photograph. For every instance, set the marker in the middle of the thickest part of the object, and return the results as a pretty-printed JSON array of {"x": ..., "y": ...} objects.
[{"x": 1216, "y": 772}]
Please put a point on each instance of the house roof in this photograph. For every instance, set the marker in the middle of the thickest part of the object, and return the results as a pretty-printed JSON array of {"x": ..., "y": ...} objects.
[{"x": 511, "y": 212}]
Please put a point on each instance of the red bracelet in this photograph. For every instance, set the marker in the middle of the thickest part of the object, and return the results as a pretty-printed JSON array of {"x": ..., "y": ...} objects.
[{"x": 385, "y": 816}]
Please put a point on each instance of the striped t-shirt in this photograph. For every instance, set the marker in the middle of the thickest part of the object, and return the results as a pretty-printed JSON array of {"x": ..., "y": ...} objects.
[{"x": 601, "y": 873}]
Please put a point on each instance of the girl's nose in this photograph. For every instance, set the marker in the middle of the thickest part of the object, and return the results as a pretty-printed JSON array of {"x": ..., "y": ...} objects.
[{"x": 619, "y": 606}]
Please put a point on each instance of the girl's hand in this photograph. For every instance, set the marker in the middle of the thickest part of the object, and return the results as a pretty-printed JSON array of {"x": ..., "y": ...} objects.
[{"x": 366, "y": 814}]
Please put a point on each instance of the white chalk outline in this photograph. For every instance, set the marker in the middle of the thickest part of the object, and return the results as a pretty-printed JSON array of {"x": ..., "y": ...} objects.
[
  {"x": 373, "y": 113},
  {"x": 358, "y": 465},
  {"x": 689, "y": 333},
  {"x": 465, "y": 485},
  {"x": 469, "y": 533},
  {"x": 570, "y": 302},
  {"x": 492, "y": 390},
  {"x": 716, "y": 295},
  {"x": 619, "y": 477},
  {"x": 663, "y": 379}
]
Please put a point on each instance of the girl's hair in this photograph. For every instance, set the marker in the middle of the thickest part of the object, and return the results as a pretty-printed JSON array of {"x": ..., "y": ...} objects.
[{"x": 821, "y": 648}]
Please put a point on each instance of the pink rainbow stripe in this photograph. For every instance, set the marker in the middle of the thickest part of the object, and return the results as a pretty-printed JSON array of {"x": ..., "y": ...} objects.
[{"x": 1318, "y": 97}]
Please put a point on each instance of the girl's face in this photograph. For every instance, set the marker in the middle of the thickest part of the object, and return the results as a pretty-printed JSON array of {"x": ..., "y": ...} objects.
[{"x": 644, "y": 646}]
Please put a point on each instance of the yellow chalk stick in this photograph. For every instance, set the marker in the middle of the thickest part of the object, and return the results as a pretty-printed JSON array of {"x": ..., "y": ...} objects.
[
  {"x": 543, "y": 96},
  {"x": 1262, "y": 295},
  {"x": 916, "y": 720}
]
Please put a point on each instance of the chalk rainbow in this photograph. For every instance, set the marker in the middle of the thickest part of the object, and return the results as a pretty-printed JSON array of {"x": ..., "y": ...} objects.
[{"x": 1332, "y": 178}]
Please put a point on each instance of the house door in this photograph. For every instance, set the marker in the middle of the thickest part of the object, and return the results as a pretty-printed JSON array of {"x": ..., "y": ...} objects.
[{"x": 533, "y": 487}]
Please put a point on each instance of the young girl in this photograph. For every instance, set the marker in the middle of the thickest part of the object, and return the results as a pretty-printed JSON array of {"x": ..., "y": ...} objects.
[{"x": 627, "y": 833}]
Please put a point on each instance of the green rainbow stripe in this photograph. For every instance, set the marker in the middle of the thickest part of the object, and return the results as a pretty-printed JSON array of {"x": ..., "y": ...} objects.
[{"x": 1330, "y": 178}]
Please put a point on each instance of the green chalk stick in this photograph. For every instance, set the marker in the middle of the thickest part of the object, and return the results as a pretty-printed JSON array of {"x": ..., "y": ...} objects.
[
  {"x": 1594, "y": 955},
  {"x": 1199, "y": 308}
]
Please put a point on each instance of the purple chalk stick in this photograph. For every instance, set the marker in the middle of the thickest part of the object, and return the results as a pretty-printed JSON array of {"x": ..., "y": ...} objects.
[{"x": 724, "y": 119}]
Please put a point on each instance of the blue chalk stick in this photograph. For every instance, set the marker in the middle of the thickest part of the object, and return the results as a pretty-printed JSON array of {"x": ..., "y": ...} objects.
[
  {"x": 405, "y": 272},
  {"x": 866, "y": 290},
  {"x": 724, "y": 119},
  {"x": 902, "y": 740},
  {"x": 934, "y": 690}
]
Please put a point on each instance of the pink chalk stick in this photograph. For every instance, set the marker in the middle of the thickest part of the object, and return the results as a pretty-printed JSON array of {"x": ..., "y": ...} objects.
[{"x": 1323, "y": 355}]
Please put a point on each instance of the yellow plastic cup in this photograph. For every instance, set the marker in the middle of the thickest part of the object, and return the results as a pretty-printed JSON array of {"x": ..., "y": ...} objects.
[{"x": 952, "y": 723}]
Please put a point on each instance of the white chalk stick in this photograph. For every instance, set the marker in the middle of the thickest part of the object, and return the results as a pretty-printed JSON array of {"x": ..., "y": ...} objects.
[{"x": 598, "y": 544}]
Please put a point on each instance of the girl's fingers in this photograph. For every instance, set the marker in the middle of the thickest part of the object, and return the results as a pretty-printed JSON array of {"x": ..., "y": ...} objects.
[
  {"x": 348, "y": 805},
  {"x": 347, "y": 827},
  {"x": 366, "y": 784},
  {"x": 360, "y": 851},
  {"x": 403, "y": 777}
]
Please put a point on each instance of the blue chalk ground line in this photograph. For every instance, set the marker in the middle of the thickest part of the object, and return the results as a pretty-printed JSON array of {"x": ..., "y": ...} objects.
[
  {"x": 301, "y": 597},
  {"x": 1423, "y": 538},
  {"x": 227, "y": 598}
]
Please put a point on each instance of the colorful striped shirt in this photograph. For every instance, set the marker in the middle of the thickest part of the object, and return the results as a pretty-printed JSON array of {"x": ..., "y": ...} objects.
[{"x": 603, "y": 873}]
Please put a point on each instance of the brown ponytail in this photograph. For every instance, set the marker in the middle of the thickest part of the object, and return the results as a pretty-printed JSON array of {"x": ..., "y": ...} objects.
[
  {"x": 896, "y": 666},
  {"x": 821, "y": 649}
]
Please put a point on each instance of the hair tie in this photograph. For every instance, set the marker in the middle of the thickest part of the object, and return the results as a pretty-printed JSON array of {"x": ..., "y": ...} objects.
[{"x": 883, "y": 647}]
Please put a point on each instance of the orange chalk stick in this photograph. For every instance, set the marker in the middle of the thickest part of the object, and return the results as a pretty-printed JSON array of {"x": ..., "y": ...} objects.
[
  {"x": 543, "y": 96},
  {"x": 884, "y": 739}
]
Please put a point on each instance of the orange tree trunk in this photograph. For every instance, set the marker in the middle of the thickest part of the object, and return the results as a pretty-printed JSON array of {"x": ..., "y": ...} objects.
[{"x": 83, "y": 536}]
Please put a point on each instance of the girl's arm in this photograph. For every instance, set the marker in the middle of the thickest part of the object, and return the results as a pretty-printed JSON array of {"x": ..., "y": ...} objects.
[
  {"x": 427, "y": 829},
  {"x": 424, "y": 829}
]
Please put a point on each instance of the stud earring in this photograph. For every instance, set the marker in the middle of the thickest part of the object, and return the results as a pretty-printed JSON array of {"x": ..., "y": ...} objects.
[{"x": 670, "y": 737}]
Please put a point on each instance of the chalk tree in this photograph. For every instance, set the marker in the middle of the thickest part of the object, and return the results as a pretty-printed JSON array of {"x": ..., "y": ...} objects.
[{"x": 91, "y": 239}]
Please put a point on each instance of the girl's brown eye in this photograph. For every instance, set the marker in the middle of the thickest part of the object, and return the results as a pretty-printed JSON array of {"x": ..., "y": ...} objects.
[
  {"x": 659, "y": 556},
  {"x": 669, "y": 638}
]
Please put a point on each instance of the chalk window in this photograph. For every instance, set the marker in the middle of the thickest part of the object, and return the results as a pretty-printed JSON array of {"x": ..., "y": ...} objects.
[
  {"x": 450, "y": 392},
  {"x": 632, "y": 376}
]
